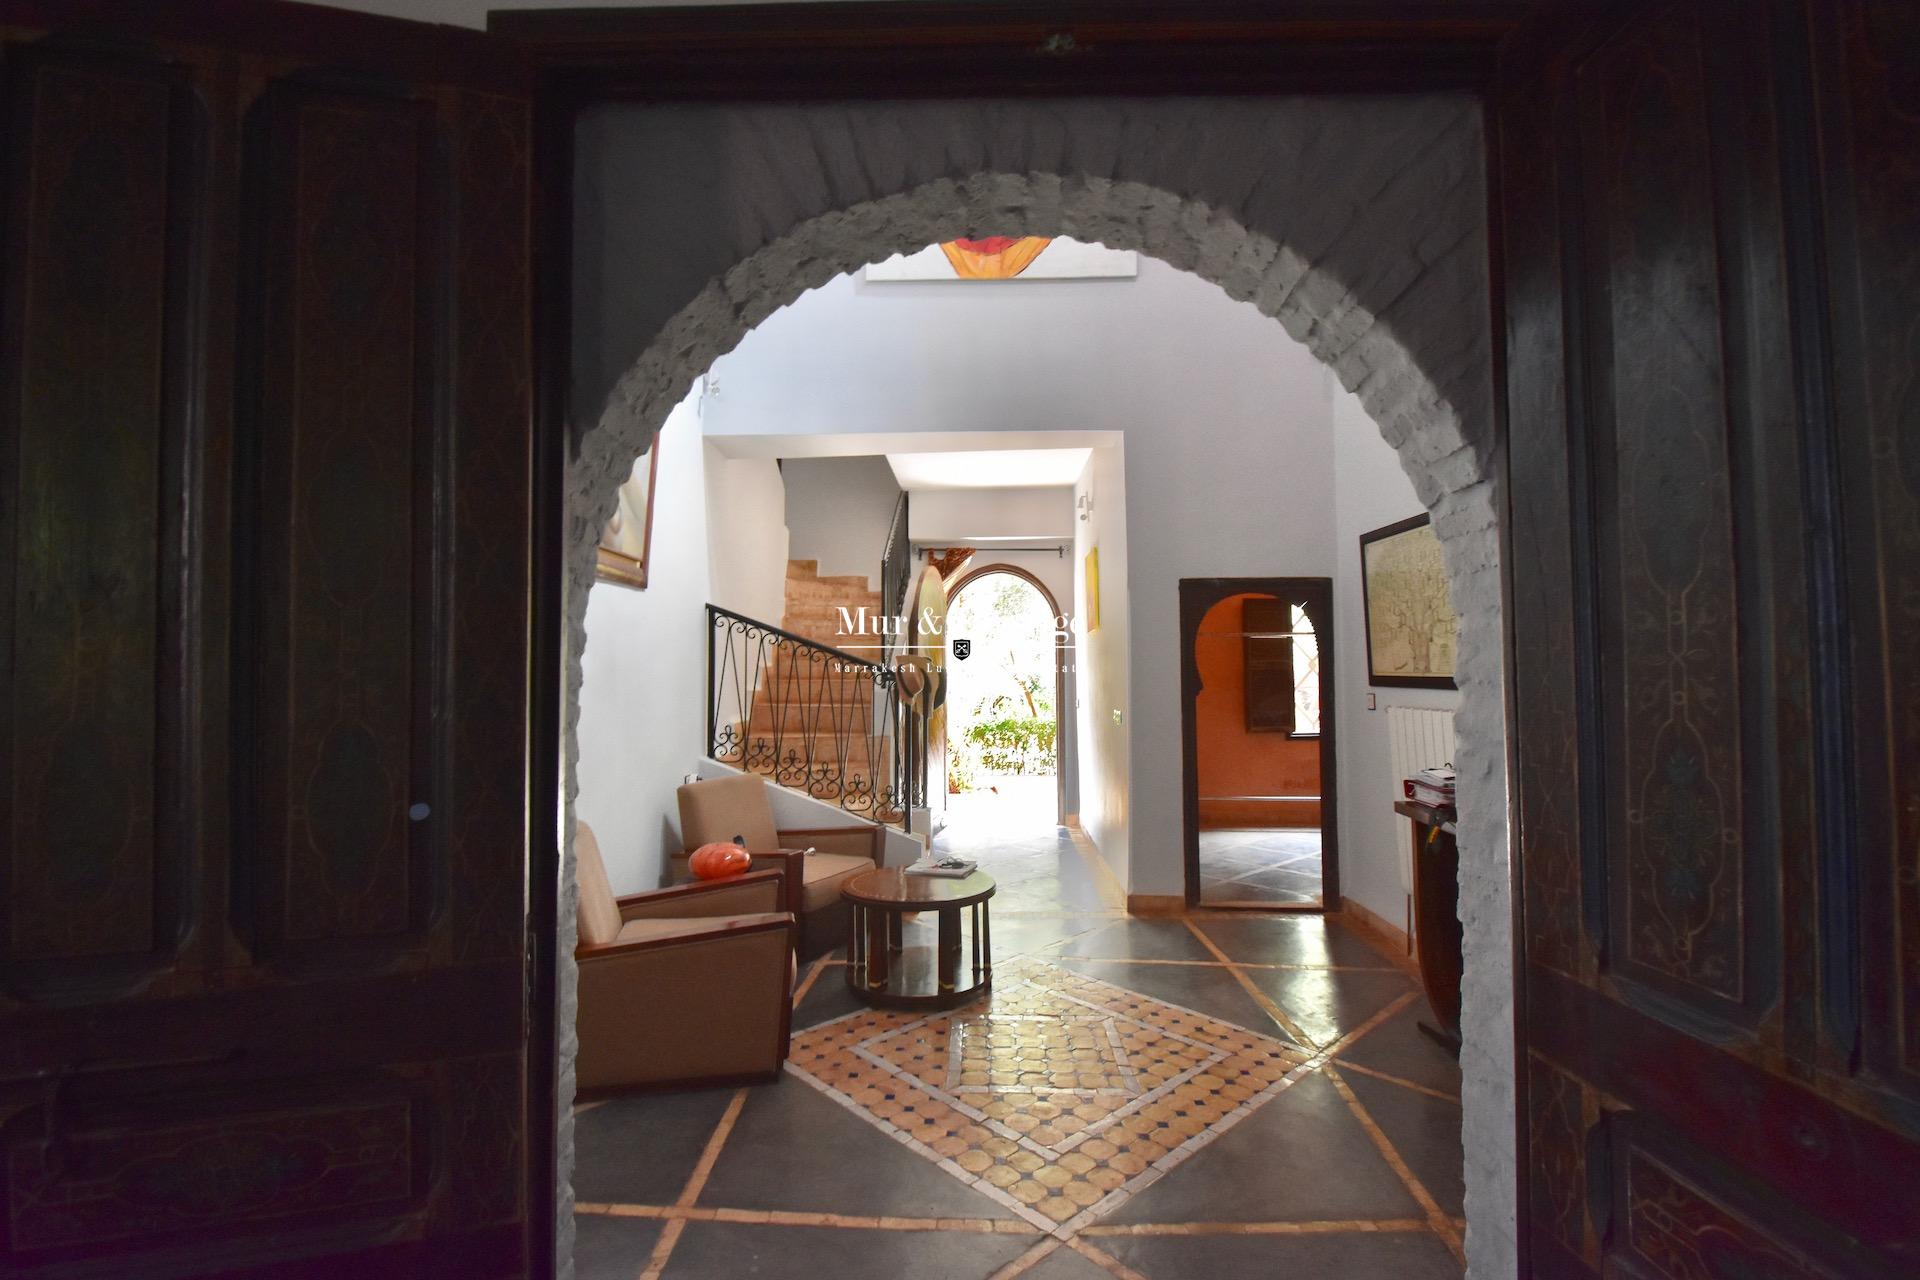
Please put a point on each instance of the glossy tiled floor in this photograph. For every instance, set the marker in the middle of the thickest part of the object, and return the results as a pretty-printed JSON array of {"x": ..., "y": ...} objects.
[
  {"x": 1224, "y": 1096},
  {"x": 1275, "y": 867}
]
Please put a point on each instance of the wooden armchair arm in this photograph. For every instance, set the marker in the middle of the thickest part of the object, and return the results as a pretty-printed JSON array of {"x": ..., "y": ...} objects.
[
  {"x": 861, "y": 842},
  {"x": 695, "y": 934},
  {"x": 737, "y": 895},
  {"x": 789, "y": 864}
]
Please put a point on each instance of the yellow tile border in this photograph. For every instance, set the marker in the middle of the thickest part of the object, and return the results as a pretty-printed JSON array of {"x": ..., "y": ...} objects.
[
  {"x": 813, "y": 976},
  {"x": 1027, "y": 1261},
  {"x": 1402, "y": 1081},
  {"x": 1346, "y": 1041},
  {"x": 1338, "y": 1227},
  {"x": 696, "y": 1183},
  {"x": 800, "y": 1218},
  {"x": 1442, "y": 1224},
  {"x": 1101, "y": 1258},
  {"x": 1228, "y": 964},
  {"x": 1260, "y": 997}
]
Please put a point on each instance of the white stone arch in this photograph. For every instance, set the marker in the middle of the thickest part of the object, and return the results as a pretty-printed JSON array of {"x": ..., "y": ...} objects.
[{"x": 1432, "y": 411}]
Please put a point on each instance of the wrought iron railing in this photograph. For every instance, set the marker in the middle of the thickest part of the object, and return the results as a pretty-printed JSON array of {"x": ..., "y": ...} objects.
[
  {"x": 813, "y": 718},
  {"x": 897, "y": 567}
]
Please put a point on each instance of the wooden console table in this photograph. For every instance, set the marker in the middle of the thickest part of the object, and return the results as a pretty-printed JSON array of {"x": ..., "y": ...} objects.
[{"x": 1436, "y": 914}]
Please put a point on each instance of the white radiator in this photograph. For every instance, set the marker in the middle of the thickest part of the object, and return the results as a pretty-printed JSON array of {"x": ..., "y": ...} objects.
[{"x": 1418, "y": 738}]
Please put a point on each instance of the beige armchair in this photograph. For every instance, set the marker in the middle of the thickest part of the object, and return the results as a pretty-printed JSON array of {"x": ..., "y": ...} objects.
[
  {"x": 815, "y": 860},
  {"x": 684, "y": 986}
]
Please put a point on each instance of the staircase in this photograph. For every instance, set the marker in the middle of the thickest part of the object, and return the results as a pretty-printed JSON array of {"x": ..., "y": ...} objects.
[
  {"x": 808, "y": 704},
  {"x": 814, "y": 604}
]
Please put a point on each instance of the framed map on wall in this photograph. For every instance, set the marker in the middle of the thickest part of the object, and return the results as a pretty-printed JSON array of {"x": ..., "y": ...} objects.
[{"x": 1412, "y": 630}]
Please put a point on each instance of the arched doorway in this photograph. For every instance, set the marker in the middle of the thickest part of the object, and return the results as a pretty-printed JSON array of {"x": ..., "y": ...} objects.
[
  {"x": 1260, "y": 750},
  {"x": 1007, "y": 708},
  {"x": 1420, "y": 372}
]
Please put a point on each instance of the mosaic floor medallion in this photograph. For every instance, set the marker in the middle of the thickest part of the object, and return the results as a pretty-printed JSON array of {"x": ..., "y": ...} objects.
[{"x": 1060, "y": 1096}]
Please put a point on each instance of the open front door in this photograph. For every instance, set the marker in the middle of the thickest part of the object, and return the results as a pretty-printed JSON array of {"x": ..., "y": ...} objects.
[
  {"x": 263, "y": 817},
  {"x": 1711, "y": 222}
]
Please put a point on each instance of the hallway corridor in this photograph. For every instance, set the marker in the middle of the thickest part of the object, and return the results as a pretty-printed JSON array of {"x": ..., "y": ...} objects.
[{"x": 1151, "y": 1099}]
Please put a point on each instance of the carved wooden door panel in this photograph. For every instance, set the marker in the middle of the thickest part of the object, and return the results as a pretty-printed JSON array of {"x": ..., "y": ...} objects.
[
  {"x": 262, "y": 771},
  {"x": 1715, "y": 507}
]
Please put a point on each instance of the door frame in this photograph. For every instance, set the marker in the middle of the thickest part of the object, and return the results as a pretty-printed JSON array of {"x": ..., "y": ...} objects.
[
  {"x": 1059, "y": 675},
  {"x": 1197, "y": 596},
  {"x": 869, "y": 50}
]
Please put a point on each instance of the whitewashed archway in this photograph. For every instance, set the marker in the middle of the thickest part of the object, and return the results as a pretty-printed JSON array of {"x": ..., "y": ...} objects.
[{"x": 1400, "y": 313}]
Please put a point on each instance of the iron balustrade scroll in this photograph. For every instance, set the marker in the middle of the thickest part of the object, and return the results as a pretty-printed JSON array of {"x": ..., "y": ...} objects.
[
  {"x": 896, "y": 579},
  {"x": 813, "y": 718}
]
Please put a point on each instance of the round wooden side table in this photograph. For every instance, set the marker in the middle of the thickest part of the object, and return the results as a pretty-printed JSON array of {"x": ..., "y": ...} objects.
[{"x": 881, "y": 900}]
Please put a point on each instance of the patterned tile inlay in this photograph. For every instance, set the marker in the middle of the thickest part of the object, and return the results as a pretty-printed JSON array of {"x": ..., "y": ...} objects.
[{"x": 1060, "y": 1096}]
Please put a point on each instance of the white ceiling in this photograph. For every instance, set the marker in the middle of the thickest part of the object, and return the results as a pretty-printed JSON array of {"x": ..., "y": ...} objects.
[{"x": 989, "y": 469}]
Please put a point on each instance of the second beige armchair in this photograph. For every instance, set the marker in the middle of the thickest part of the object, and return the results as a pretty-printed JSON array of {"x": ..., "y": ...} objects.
[{"x": 815, "y": 860}]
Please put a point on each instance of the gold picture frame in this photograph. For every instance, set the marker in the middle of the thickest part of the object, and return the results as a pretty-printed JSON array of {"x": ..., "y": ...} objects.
[
  {"x": 1093, "y": 589},
  {"x": 626, "y": 543},
  {"x": 1413, "y": 634}
]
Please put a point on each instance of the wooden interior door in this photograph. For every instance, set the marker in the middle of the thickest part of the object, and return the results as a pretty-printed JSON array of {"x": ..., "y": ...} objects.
[
  {"x": 1710, "y": 215},
  {"x": 263, "y": 778}
]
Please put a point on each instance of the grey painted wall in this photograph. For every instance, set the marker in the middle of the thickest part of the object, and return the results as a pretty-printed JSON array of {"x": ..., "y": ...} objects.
[{"x": 838, "y": 513}]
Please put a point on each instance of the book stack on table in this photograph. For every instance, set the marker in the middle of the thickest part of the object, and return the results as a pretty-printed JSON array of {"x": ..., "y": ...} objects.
[
  {"x": 1434, "y": 787},
  {"x": 948, "y": 868}
]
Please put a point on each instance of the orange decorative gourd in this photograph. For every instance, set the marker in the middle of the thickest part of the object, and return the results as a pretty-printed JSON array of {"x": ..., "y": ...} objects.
[{"x": 718, "y": 861}]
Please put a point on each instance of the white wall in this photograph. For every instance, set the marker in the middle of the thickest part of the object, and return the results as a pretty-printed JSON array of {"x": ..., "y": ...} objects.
[
  {"x": 642, "y": 718},
  {"x": 1102, "y": 667},
  {"x": 839, "y": 511},
  {"x": 1370, "y": 490},
  {"x": 938, "y": 517},
  {"x": 747, "y": 535}
]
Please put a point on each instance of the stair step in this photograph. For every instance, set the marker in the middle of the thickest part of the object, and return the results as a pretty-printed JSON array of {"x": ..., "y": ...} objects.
[
  {"x": 803, "y": 568},
  {"x": 830, "y": 600},
  {"x": 824, "y": 719},
  {"x": 858, "y": 583},
  {"x": 832, "y": 608}
]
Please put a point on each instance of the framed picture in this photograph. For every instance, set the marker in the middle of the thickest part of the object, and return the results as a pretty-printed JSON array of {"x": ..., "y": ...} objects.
[
  {"x": 1009, "y": 258},
  {"x": 628, "y": 537},
  {"x": 1093, "y": 589},
  {"x": 1412, "y": 630}
]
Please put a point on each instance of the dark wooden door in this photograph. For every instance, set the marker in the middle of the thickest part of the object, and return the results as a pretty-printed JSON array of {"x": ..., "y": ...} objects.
[
  {"x": 1710, "y": 222},
  {"x": 265, "y": 518}
]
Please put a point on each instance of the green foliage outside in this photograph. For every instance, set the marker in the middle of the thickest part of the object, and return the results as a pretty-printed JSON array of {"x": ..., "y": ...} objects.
[
  {"x": 1013, "y": 745},
  {"x": 1000, "y": 701}
]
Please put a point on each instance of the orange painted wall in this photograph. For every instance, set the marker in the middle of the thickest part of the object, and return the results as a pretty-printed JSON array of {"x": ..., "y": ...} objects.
[{"x": 1232, "y": 761}]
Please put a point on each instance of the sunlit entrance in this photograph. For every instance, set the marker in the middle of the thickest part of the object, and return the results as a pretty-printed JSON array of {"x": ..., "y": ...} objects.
[{"x": 1004, "y": 697}]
